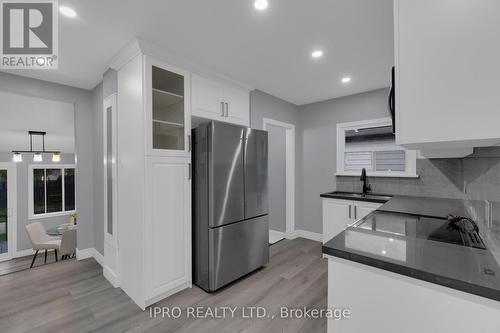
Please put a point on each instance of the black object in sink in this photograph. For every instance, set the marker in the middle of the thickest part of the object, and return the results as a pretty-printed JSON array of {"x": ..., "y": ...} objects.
[{"x": 431, "y": 228}]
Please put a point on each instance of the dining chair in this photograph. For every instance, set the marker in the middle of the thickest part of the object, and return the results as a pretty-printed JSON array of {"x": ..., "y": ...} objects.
[
  {"x": 41, "y": 241},
  {"x": 68, "y": 244}
]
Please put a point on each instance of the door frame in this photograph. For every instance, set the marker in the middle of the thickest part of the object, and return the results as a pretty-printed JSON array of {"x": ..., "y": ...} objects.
[
  {"x": 289, "y": 171},
  {"x": 11, "y": 210}
]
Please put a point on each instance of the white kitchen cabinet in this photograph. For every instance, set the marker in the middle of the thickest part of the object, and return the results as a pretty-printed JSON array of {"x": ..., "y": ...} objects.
[
  {"x": 338, "y": 214},
  {"x": 153, "y": 179},
  {"x": 168, "y": 226},
  {"x": 447, "y": 73},
  {"x": 167, "y": 109},
  {"x": 219, "y": 101}
]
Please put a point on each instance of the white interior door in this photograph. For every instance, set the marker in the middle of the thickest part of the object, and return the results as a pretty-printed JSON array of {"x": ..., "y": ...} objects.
[{"x": 7, "y": 211}]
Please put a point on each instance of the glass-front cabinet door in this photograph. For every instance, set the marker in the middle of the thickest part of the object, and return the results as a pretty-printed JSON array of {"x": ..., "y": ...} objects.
[{"x": 169, "y": 104}]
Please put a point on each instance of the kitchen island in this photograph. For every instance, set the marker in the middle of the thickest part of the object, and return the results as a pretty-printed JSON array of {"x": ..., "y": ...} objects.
[{"x": 394, "y": 275}]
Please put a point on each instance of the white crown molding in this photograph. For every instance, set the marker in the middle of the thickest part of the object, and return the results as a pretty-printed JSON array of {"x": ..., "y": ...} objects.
[{"x": 140, "y": 46}]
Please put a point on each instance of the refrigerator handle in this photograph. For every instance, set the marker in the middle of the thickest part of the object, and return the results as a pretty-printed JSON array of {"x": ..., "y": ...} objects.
[
  {"x": 189, "y": 142},
  {"x": 190, "y": 170},
  {"x": 227, "y": 110}
]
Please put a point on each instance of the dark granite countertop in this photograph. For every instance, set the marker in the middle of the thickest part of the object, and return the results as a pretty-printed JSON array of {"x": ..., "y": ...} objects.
[
  {"x": 468, "y": 269},
  {"x": 435, "y": 207},
  {"x": 369, "y": 197}
]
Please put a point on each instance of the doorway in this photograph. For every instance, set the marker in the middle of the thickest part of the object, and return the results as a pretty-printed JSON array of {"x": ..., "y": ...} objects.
[
  {"x": 7, "y": 211},
  {"x": 281, "y": 175}
]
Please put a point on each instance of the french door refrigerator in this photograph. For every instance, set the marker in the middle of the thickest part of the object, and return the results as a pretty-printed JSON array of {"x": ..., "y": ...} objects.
[{"x": 230, "y": 205}]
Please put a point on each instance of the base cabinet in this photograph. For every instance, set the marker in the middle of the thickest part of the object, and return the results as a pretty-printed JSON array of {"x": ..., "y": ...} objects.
[
  {"x": 168, "y": 225},
  {"x": 338, "y": 214}
]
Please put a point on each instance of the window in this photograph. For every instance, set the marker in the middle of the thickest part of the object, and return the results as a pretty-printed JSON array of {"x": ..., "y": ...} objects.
[
  {"x": 372, "y": 145},
  {"x": 52, "y": 190}
]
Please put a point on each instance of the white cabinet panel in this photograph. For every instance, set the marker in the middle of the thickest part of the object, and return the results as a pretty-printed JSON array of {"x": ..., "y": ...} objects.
[
  {"x": 361, "y": 209},
  {"x": 238, "y": 105},
  {"x": 336, "y": 215},
  {"x": 168, "y": 231},
  {"x": 208, "y": 97},
  {"x": 447, "y": 73},
  {"x": 218, "y": 101}
]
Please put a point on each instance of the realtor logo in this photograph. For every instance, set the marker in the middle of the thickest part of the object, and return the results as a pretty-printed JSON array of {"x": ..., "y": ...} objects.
[{"x": 29, "y": 34}]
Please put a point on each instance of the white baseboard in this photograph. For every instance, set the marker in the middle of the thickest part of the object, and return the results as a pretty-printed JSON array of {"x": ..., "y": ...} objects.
[
  {"x": 305, "y": 234},
  {"x": 275, "y": 236},
  {"x": 110, "y": 276},
  {"x": 24, "y": 253},
  {"x": 90, "y": 253}
]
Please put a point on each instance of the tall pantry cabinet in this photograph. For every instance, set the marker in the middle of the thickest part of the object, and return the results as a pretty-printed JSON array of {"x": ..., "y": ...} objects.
[{"x": 153, "y": 178}]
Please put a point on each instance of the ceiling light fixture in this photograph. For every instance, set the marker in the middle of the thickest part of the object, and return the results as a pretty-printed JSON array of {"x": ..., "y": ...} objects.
[
  {"x": 37, "y": 154},
  {"x": 17, "y": 157},
  {"x": 317, "y": 54},
  {"x": 346, "y": 79},
  {"x": 261, "y": 4},
  {"x": 66, "y": 11},
  {"x": 37, "y": 157},
  {"x": 56, "y": 157}
]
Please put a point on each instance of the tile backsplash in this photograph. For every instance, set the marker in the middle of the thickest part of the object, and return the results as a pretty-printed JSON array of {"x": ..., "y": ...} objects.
[{"x": 475, "y": 177}]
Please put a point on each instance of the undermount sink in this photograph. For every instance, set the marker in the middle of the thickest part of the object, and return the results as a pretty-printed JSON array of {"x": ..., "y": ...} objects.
[{"x": 357, "y": 195}]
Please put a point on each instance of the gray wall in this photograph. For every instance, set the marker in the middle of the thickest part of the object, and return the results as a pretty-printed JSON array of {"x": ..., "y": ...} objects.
[
  {"x": 263, "y": 105},
  {"x": 84, "y": 133},
  {"x": 316, "y": 148},
  {"x": 22, "y": 169}
]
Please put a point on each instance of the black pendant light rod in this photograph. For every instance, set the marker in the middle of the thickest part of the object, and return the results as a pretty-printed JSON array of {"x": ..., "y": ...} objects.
[{"x": 42, "y": 134}]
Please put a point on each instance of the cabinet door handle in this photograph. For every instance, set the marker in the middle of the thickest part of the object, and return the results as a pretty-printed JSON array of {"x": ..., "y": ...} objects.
[
  {"x": 222, "y": 109},
  {"x": 227, "y": 109},
  {"x": 355, "y": 212},
  {"x": 189, "y": 142},
  {"x": 349, "y": 211},
  {"x": 189, "y": 171}
]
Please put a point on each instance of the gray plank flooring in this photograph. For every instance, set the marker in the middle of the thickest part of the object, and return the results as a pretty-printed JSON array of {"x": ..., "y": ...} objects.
[
  {"x": 73, "y": 296},
  {"x": 23, "y": 263}
]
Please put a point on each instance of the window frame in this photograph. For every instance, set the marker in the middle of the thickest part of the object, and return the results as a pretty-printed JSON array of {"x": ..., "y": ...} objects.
[
  {"x": 31, "y": 203},
  {"x": 410, "y": 159}
]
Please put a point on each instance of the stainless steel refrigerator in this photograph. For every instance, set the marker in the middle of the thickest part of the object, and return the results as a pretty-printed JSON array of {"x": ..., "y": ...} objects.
[{"x": 230, "y": 205}]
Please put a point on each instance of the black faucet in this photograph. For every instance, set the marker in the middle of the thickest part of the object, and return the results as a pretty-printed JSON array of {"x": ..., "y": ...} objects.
[{"x": 366, "y": 186}]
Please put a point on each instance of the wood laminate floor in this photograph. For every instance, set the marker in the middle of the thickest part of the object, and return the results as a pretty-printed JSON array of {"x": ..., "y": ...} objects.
[
  {"x": 23, "y": 263},
  {"x": 73, "y": 296}
]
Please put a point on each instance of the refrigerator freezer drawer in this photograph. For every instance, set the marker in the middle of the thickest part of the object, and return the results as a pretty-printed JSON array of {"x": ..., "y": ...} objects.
[{"x": 236, "y": 250}]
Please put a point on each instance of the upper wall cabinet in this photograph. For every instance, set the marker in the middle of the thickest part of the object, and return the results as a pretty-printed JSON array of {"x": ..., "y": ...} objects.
[
  {"x": 447, "y": 73},
  {"x": 167, "y": 110},
  {"x": 218, "y": 101}
]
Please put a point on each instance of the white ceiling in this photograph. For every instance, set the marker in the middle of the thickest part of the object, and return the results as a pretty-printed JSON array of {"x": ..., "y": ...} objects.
[
  {"x": 21, "y": 114},
  {"x": 268, "y": 50}
]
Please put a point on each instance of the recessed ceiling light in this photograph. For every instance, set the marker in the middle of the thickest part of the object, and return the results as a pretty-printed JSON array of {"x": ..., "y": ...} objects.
[
  {"x": 261, "y": 4},
  {"x": 317, "y": 54},
  {"x": 66, "y": 11},
  {"x": 346, "y": 79}
]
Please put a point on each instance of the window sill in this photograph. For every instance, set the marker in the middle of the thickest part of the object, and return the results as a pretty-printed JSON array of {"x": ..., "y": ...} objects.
[
  {"x": 49, "y": 215},
  {"x": 375, "y": 174}
]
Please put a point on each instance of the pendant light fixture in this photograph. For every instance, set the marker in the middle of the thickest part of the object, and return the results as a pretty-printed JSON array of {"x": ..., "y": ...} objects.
[{"x": 37, "y": 154}]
